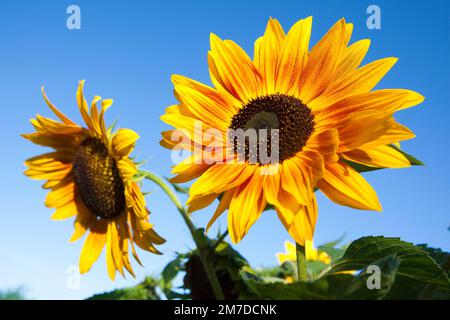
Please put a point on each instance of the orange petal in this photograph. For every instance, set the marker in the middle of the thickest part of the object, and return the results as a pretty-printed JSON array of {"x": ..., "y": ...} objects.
[{"x": 345, "y": 186}]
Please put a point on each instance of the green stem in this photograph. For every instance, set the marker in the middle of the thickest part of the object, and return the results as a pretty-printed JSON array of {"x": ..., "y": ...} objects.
[
  {"x": 213, "y": 280},
  {"x": 302, "y": 274}
]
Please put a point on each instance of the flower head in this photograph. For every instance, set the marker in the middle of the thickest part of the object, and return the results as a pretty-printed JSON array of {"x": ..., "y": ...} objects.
[
  {"x": 89, "y": 175},
  {"x": 319, "y": 105},
  {"x": 311, "y": 253}
]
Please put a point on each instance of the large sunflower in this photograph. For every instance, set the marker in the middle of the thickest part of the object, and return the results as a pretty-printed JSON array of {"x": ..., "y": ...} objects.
[
  {"x": 322, "y": 103},
  {"x": 90, "y": 177}
]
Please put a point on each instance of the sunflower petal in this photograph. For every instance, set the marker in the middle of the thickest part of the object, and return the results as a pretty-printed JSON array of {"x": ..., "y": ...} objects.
[
  {"x": 245, "y": 208},
  {"x": 93, "y": 246},
  {"x": 123, "y": 142},
  {"x": 345, "y": 186},
  {"x": 267, "y": 49},
  {"x": 56, "y": 111},
  {"x": 301, "y": 226},
  {"x": 361, "y": 80},
  {"x": 363, "y": 127},
  {"x": 233, "y": 69},
  {"x": 221, "y": 177},
  {"x": 66, "y": 211},
  {"x": 223, "y": 205},
  {"x": 322, "y": 62},
  {"x": 294, "y": 55},
  {"x": 379, "y": 157}
]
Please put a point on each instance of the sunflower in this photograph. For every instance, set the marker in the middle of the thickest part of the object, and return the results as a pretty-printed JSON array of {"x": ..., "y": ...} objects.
[
  {"x": 311, "y": 253},
  {"x": 89, "y": 175},
  {"x": 321, "y": 103}
]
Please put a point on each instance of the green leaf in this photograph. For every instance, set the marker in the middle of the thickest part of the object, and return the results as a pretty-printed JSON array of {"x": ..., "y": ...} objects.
[
  {"x": 314, "y": 268},
  {"x": 333, "y": 286},
  {"x": 334, "y": 253},
  {"x": 13, "y": 294},
  {"x": 407, "y": 288},
  {"x": 146, "y": 290},
  {"x": 201, "y": 238},
  {"x": 333, "y": 243},
  {"x": 360, "y": 167},
  {"x": 171, "y": 270},
  {"x": 415, "y": 262}
]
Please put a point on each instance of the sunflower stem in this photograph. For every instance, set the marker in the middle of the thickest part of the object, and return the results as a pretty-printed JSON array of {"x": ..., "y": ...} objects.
[
  {"x": 302, "y": 274},
  {"x": 203, "y": 252}
]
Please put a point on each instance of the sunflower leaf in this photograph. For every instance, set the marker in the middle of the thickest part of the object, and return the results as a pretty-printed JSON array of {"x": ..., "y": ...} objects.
[
  {"x": 360, "y": 167},
  {"x": 416, "y": 263},
  {"x": 333, "y": 286},
  {"x": 334, "y": 253},
  {"x": 171, "y": 270}
]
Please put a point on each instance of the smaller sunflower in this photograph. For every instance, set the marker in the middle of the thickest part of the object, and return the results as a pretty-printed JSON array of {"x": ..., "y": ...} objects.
[
  {"x": 89, "y": 175},
  {"x": 312, "y": 254}
]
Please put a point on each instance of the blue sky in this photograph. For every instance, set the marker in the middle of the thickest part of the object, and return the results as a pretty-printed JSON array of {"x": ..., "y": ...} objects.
[{"x": 127, "y": 50}]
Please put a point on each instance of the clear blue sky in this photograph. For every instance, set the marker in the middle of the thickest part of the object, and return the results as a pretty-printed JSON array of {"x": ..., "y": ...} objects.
[{"x": 127, "y": 50}]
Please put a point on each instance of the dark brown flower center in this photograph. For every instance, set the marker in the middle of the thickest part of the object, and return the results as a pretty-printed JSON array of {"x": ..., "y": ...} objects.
[
  {"x": 97, "y": 179},
  {"x": 293, "y": 120}
]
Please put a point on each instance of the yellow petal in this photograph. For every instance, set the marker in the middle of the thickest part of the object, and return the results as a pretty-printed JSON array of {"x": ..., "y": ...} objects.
[
  {"x": 363, "y": 127},
  {"x": 267, "y": 49},
  {"x": 296, "y": 181},
  {"x": 221, "y": 177},
  {"x": 386, "y": 100},
  {"x": 61, "y": 195},
  {"x": 127, "y": 169},
  {"x": 345, "y": 186},
  {"x": 66, "y": 211},
  {"x": 123, "y": 142},
  {"x": 233, "y": 69},
  {"x": 322, "y": 62},
  {"x": 110, "y": 264},
  {"x": 60, "y": 115},
  {"x": 245, "y": 208},
  {"x": 93, "y": 246},
  {"x": 199, "y": 202},
  {"x": 293, "y": 56},
  {"x": 271, "y": 184},
  {"x": 223, "y": 205},
  {"x": 83, "y": 221},
  {"x": 395, "y": 132},
  {"x": 301, "y": 226},
  {"x": 325, "y": 143},
  {"x": 82, "y": 105},
  {"x": 379, "y": 156},
  {"x": 352, "y": 58},
  {"x": 359, "y": 81},
  {"x": 188, "y": 170}
]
